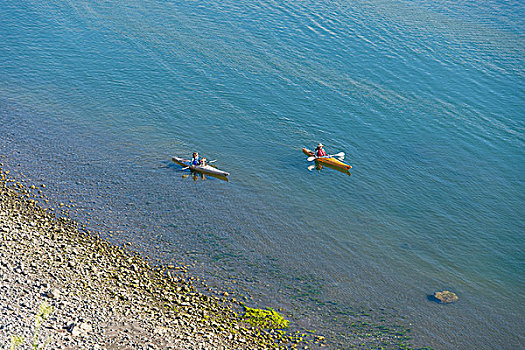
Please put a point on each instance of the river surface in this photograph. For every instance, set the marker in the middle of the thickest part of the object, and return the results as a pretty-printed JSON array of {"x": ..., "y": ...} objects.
[{"x": 426, "y": 98}]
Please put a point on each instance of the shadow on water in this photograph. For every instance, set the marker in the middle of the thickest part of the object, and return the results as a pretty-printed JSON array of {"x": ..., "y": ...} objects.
[{"x": 431, "y": 297}]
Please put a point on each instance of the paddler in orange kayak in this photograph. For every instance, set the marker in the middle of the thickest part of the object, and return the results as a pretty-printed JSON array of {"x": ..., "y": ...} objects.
[{"x": 319, "y": 151}]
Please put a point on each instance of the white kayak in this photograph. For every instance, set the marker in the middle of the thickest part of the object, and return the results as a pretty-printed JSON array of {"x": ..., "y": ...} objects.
[{"x": 205, "y": 169}]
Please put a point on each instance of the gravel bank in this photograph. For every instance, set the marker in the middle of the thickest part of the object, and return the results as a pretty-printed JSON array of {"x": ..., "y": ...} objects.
[{"x": 102, "y": 296}]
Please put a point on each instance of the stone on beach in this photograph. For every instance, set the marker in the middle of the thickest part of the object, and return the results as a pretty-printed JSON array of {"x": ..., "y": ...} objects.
[
  {"x": 80, "y": 329},
  {"x": 53, "y": 293}
]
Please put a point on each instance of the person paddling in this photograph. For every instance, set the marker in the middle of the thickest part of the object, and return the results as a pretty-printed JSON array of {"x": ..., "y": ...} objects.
[
  {"x": 195, "y": 160},
  {"x": 319, "y": 151}
]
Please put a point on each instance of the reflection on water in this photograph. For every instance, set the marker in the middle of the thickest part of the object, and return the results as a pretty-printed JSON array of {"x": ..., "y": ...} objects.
[
  {"x": 319, "y": 166},
  {"x": 196, "y": 176}
]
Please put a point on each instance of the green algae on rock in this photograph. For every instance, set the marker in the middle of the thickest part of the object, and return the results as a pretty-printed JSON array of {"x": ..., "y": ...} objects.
[{"x": 264, "y": 318}]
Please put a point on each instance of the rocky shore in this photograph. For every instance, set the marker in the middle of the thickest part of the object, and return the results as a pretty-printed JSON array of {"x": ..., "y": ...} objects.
[{"x": 65, "y": 288}]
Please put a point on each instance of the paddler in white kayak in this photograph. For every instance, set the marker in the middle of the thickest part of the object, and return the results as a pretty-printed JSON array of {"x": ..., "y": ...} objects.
[{"x": 195, "y": 160}]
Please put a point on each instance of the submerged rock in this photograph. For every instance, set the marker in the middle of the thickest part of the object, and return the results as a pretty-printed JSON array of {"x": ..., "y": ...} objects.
[{"x": 446, "y": 297}]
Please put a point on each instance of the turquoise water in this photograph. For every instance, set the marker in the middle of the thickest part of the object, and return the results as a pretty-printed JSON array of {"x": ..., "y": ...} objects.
[{"x": 426, "y": 99}]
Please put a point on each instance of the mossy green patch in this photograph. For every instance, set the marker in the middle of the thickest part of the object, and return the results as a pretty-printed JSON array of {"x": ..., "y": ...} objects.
[{"x": 268, "y": 318}]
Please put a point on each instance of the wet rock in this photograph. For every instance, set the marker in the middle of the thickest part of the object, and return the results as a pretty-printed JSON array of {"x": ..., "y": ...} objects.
[{"x": 446, "y": 297}]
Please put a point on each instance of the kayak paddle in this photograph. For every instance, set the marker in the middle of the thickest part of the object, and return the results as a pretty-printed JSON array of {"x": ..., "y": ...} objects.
[{"x": 338, "y": 155}]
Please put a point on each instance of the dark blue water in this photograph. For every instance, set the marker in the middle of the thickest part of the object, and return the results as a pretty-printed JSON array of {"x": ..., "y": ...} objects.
[{"x": 426, "y": 99}]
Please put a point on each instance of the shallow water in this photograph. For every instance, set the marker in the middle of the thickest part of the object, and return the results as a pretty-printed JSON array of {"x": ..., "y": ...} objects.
[{"x": 426, "y": 100}]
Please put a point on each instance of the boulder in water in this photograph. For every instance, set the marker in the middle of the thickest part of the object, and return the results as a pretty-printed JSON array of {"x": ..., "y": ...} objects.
[{"x": 446, "y": 297}]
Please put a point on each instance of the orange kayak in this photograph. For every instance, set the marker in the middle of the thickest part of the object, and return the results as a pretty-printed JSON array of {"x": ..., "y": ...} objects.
[{"x": 328, "y": 160}]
